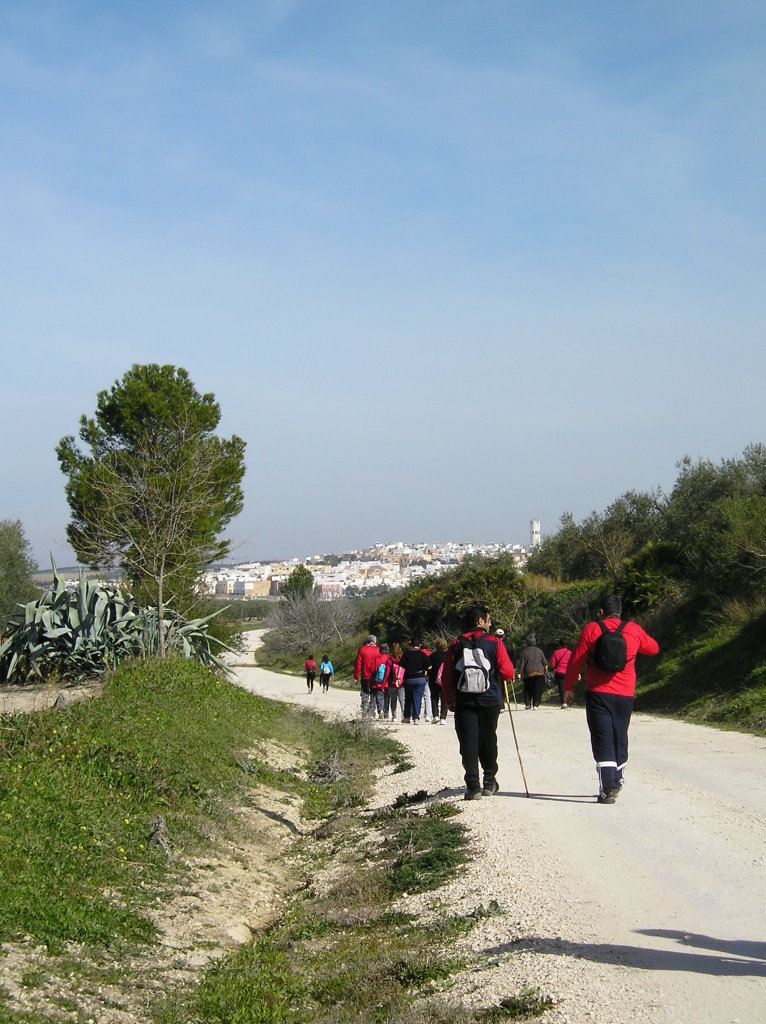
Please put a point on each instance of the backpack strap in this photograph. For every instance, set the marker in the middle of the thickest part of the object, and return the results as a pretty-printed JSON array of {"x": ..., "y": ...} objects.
[{"x": 617, "y": 632}]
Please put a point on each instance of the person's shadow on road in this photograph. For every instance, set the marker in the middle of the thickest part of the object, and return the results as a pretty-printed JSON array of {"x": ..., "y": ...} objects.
[{"x": 740, "y": 958}]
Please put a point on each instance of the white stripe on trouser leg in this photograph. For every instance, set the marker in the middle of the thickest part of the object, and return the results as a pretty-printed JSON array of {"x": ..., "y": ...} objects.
[{"x": 599, "y": 766}]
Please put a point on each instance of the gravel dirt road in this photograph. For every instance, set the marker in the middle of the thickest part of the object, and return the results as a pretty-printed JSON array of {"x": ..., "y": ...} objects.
[{"x": 651, "y": 910}]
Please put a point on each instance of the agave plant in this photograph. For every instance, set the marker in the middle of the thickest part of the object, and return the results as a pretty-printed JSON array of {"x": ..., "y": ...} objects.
[{"x": 83, "y": 633}]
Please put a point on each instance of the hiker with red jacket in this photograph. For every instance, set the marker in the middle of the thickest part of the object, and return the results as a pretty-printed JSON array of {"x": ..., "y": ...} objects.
[
  {"x": 365, "y": 667},
  {"x": 559, "y": 661},
  {"x": 310, "y": 668},
  {"x": 610, "y": 684},
  {"x": 475, "y": 666}
]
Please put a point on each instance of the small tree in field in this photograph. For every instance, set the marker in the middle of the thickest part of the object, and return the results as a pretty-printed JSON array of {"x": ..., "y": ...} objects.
[
  {"x": 299, "y": 583},
  {"x": 152, "y": 487},
  {"x": 17, "y": 585}
]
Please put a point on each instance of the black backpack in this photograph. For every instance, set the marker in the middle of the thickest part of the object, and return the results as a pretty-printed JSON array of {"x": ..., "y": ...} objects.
[{"x": 610, "y": 653}]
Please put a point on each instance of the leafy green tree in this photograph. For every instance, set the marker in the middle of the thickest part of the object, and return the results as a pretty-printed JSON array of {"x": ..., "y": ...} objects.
[
  {"x": 745, "y": 517},
  {"x": 565, "y": 555},
  {"x": 17, "y": 585},
  {"x": 597, "y": 547},
  {"x": 714, "y": 513},
  {"x": 299, "y": 583},
  {"x": 152, "y": 487},
  {"x": 434, "y": 607}
]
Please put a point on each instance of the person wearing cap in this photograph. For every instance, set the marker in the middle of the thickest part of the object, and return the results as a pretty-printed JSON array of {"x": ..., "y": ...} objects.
[
  {"x": 608, "y": 695},
  {"x": 365, "y": 667},
  {"x": 510, "y": 649},
  {"x": 531, "y": 669}
]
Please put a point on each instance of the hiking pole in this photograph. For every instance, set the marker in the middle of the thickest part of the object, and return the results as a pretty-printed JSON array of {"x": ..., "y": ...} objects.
[
  {"x": 510, "y": 713},
  {"x": 513, "y": 691}
]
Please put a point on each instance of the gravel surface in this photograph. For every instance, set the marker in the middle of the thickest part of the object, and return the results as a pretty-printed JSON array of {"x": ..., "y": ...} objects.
[{"x": 650, "y": 910}]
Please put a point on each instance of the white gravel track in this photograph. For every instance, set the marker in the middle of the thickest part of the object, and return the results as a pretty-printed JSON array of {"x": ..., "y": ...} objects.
[{"x": 651, "y": 910}]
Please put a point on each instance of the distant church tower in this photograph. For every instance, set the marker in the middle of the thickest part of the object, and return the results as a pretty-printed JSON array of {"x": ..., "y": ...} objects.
[{"x": 534, "y": 533}]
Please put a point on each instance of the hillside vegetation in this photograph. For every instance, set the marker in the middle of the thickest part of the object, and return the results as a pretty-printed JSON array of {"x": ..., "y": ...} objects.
[{"x": 689, "y": 565}]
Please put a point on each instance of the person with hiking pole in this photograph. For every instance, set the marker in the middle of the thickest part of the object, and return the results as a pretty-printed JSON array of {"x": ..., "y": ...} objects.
[
  {"x": 475, "y": 666},
  {"x": 607, "y": 647}
]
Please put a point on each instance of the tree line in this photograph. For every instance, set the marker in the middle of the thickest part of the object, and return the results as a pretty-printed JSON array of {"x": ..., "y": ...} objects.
[
  {"x": 702, "y": 544},
  {"x": 706, "y": 537}
]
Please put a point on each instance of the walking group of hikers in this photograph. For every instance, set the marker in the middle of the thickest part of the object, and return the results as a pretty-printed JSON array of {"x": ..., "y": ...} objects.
[
  {"x": 404, "y": 685},
  {"x": 468, "y": 677}
]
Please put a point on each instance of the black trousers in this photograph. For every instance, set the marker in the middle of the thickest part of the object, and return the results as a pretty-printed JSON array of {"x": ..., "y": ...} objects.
[
  {"x": 560, "y": 677},
  {"x": 476, "y": 728},
  {"x": 533, "y": 690},
  {"x": 437, "y": 701},
  {"x": 608, "y": 717}
]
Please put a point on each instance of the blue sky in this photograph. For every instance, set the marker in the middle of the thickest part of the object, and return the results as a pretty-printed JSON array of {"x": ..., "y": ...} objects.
[{"x": 446, "y": 266}]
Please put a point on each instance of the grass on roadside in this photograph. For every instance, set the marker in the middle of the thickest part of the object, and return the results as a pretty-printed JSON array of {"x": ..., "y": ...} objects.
[
  {"x": 342, "y": 954},
  {"x": 82, "y": 791}
]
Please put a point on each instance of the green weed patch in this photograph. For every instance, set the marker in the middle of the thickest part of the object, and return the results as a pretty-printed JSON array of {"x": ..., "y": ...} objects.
[{"x": 426, "y": 849}]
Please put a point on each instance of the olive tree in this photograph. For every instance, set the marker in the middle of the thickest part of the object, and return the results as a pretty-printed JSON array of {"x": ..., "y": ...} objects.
[{"x": 151, "y": 487}]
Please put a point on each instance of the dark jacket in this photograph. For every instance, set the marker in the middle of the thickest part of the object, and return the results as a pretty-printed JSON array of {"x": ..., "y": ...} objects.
[
  {"x": 531, "y": 663},
  {"x": 501, "y": 668},
  {"x": 415, "y": 663}
]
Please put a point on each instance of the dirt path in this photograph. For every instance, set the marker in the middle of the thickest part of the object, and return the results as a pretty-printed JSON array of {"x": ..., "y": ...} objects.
[{"x": 651, "y": 910}]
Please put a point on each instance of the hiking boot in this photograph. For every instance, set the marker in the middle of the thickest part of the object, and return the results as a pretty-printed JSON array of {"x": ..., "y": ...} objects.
[
  {"x": 614, "y": 792},
  {"x": 472, "y": 794},
  {"x": 490, "y": 788},
  {"x": 607, "y": 798}
]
